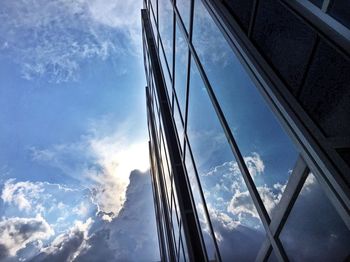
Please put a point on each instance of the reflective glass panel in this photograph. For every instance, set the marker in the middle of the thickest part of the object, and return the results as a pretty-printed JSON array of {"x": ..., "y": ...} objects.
[
  {"x": 184, "y": 9},
  {"x": 314, "y": 231},
  {"x": 166, "y": 20},
  {"x": 166, "y": 172},
  {"x": 179, "y": 125},
  {"x": 153, "y": 15},
  {"x": 272, "y": 257},
  {"x": 235, "y": 220},
  {"x": 267, "y": 150},
  {"x": 340, "y": 10},
  {"x": 208, "y": 238},
  {"x": 181, "y": 59},
  {"x": 166, "y": 74}
]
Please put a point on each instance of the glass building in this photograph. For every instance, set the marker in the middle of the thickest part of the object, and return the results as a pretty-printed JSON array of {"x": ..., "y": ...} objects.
[{"x": 248, "y": 106}]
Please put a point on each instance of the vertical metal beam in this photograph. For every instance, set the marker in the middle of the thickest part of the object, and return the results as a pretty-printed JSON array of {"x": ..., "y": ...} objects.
[{"x": 196, "y": 248}]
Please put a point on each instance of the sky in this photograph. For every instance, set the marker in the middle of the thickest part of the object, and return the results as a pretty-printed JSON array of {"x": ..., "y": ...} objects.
[{"x": 73, "y": 129}]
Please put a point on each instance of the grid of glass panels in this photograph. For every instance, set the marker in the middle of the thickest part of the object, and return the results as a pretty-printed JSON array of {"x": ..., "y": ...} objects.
[{"x": 238, "y": 157}]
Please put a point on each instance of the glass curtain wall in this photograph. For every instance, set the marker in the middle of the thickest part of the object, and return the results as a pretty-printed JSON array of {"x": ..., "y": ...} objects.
[{"x": 255, "y": 197}]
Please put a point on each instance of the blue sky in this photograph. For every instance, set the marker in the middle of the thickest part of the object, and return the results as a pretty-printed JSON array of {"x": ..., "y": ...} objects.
[{"x": 73, "y": 127}]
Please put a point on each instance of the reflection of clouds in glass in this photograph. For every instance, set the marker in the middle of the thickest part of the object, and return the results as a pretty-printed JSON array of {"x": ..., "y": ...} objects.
[
  {"x": 208, "y": 40},
  {"x": 227, "y": 192},
  {"x": 314, "y": 223},
  {"x": 166, "y": 27}
]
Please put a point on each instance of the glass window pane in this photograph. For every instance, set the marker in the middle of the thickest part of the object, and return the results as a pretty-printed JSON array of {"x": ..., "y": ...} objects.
[
  {"x": 181, "y": 59},
  {"x": 153, "y": 15},
  {"x": 318, "y": 3},
  {"x": 184, "y": 7},
  {"x": 208, "y": 238},
  {"x": 166, "y": 75},
  {"x": 268, "y": 151},
  {"x": 179, "y": 125},
  {"x": 314, "y": 231},
  {"x": 166, "y": 20},
  {"x": 235, "y": 220},
  {"x": 340, "y": 10},
  {"x": 272, "y": 257},
  {"x": 164, "y": 162},
  {"x": 175, "y": 225}
]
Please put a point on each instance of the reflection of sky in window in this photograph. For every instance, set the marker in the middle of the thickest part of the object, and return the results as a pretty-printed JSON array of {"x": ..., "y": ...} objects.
[
  {"x": 232, "y": 212},
  {"x": 184, "y": 9},
  {"x": 258, "y": 134},
  {"x": 181, "y": 58},
  {"x": 166, "y": 28},
  {"x": 314, "y": 223}
]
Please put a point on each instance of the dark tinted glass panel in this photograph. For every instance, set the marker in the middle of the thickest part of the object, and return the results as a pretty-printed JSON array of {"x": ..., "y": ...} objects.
[
  {"x": 236, "y": 223},
  {"x": 241, "y": 10},
  {"x": 314, "y": 231},
  {"x": 184, "y": 9},
  {"x": 317, "y": 2},
  {"x": 340, "y": 10},
  {"x": 326, "y": 93},
  {"x": 279, "y": 34},
  {"x": 267, "y": 150},
  {"x": 345, "y": 154},
  {"x": 166, "y": 29},
  {"x": 181, "y": 60}
]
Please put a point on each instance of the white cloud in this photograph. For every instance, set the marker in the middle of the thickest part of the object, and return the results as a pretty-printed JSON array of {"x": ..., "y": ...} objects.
[
  {"x": 20, "y": 194},
  {"x": 255, "y": 164},
  {"x": 101, "y": 163},
  {"x": 16, "y": 233},
  {"x": 67, "y": 246},
  {"x": 52, "y": 39}
]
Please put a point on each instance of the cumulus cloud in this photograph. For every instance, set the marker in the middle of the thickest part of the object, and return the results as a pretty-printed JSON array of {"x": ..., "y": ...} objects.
[
  {"x": 58, "y": 204},
  {"x": 20, "y": 194},
  {"x": 67, "y": 246},
  {"x": 101, "y": 163},
  {"x": 53, "y": 38},
  {"x": 129, "y": 236},
  {"x": 16, "y": 233}
]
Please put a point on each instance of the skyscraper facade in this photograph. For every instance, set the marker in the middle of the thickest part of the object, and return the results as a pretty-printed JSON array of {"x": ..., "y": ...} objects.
[{"x": 248, "y": 106}]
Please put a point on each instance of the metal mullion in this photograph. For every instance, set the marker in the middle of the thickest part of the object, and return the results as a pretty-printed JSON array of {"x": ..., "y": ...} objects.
[
  {"x": 206, "y": 211},
  {"x": 162, "y": 192},
  {"x": 289, "y": 112},
  {"x": 173, "y": 61},
  {"x": 188, "y": 74},
  {"x": 239, "y": 158},
  {"x": 284, "y": 207}
]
